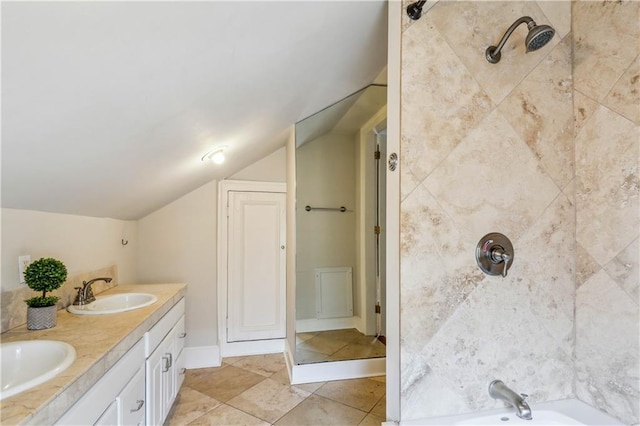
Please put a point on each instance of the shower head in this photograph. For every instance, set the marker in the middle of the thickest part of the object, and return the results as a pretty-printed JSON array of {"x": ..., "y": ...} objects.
[
  {"x": 538, "y": 36},
  {"x": 414, "y": 10}
]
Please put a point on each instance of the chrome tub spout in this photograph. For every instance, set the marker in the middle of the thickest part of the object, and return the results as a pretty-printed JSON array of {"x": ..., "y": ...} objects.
[{"x": 498, "y": 390}]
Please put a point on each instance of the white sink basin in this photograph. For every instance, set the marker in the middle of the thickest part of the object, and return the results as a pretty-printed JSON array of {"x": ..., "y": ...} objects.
[
  {"x": 114, "y": 304},
  {"x": 28, "y": 363}
]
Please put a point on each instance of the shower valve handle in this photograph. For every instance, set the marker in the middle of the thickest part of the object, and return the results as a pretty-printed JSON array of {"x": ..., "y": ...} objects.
[
  {"x": 499, "y": 255},
  {"x": 494, "y": 254},
  {"x": 506, "y": 260}
]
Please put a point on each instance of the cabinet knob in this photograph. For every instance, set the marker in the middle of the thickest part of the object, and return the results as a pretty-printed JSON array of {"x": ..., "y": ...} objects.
[
  {"x": 183, "y": 371},
  {"x": 140, "y": 403},
  {"x": 182, "y": 335}
]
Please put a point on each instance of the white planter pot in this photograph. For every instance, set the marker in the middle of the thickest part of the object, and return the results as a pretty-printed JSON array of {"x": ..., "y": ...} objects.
[{"x": 41, "y": 318}]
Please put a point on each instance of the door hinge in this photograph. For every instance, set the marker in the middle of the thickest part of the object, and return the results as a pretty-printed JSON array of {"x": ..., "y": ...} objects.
[
  {"x": 376, "y": 230},
  {"x": 377, "y": 308},
  {"x": 376, "y": 155}
]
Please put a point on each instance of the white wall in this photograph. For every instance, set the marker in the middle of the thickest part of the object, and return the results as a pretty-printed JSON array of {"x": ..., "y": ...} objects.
[
  {"x": 177, "y": 243},
  {"x": 326, "y": 173},
  {"x": 82, "y": 243},
  {"x": 272, "y": 168},
  {"x": 291, "y": 245}
]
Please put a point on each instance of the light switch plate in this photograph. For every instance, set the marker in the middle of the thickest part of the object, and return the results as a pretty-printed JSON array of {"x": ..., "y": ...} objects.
[{"x": 23, "y": 262}]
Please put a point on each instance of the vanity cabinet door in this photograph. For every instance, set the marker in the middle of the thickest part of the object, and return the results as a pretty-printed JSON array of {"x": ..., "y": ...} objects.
[
  {"x": 103, "y": 396},
  {"x": 163, "y": 382},
  {"x": 163, "y": 346},
  {"x": 155, "y": 366},
  {"x": 131, "y": 401},
  {"x": 169, "y": 390}
]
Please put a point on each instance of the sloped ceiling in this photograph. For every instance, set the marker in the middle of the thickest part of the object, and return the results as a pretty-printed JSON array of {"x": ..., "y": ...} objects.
[
  {"x": 346, "y": 116},
  {"x": 107, "y": 107}
]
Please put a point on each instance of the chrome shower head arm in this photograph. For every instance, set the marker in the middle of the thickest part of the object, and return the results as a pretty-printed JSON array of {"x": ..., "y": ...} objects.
[{"x": 493, "y": 52}]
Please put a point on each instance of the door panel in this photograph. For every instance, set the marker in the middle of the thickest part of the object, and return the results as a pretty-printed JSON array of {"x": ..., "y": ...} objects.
[
  {"x": 256, "y": 278},
  {"x": 154, "y": 400}
]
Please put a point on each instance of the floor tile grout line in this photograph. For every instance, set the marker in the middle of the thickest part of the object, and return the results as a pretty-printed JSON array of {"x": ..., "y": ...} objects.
[
  {"x": 305, "y": 398},
  {"x": 287, "y": 384},
  {"x": 265, "y": 420},
  {"x": 200, "y": 416}
]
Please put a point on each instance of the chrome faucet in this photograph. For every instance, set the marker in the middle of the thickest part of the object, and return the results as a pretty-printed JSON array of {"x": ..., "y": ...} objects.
[
  {"x": 498, "y": 390},
  {"x": 85, "y": 293}
]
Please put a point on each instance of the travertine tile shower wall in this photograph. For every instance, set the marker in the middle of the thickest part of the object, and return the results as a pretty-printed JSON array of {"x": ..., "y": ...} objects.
[
  {"x": 492, "y": 148},
  {"x": 485, "y": 148},
  {"x": 607, "y": 103}
]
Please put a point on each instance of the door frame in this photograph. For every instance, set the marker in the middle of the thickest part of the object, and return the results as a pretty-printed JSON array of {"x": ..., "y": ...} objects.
[
  {"x": 250, "y": 347},
  {"x": 367, "y": 321},
  {"x": 394, "y": 88}
]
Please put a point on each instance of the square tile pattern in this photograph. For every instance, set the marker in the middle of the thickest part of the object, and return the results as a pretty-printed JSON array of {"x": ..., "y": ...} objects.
[{"x": 255, "y": 390}]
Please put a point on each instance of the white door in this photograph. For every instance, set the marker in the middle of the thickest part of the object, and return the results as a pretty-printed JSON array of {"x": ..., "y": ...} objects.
[
  {"x": 155, "y": 367},
  {"x": 256, "y": 284}
]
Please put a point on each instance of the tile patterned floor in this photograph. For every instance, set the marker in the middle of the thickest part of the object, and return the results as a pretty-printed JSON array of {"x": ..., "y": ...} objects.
[
  {"x": 255, "y": 390},
  {"x": 336, "y": 345}
]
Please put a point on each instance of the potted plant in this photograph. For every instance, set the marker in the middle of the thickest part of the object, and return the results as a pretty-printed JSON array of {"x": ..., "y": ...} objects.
[{"x": 46, "y": 274}]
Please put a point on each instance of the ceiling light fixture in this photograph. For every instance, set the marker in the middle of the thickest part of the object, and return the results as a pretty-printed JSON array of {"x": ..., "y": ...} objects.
[{"x": 215, "y": 156}]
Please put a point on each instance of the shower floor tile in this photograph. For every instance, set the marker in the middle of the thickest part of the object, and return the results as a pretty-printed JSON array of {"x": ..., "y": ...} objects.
[{"x": 336, "y": 345}]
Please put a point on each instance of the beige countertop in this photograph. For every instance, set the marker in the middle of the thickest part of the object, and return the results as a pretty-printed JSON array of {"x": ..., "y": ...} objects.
[{"x": 99, "y": 340}]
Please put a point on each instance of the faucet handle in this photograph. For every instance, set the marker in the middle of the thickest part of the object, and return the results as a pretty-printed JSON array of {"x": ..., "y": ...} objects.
[
  {"x": 524, "y": 396},
  {"x": 79, "y": 297},
  {"x": 505, "y": 259}
]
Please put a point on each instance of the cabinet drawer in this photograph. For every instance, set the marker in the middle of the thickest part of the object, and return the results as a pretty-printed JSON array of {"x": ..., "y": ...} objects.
[
  {"x": 180, "y": 371},
  {"x": 181, "y": 336},
  {"x": 98, "y": 398},
  {"x": 153, "y": 337},
  {"x": 131, "y": 401}
]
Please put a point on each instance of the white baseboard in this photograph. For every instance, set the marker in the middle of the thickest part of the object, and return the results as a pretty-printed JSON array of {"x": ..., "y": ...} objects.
[
  {"x": 255, "y": 347},
  {"x": 337, "y": 370},
  {"x": 323, "y": 324},
  {"x": 202, "y": 357},
  {"x": 288, "y": 359}
]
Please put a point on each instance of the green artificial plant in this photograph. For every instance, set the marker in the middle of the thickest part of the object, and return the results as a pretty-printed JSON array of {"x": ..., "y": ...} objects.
[{"x": 46, "y": 274}]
